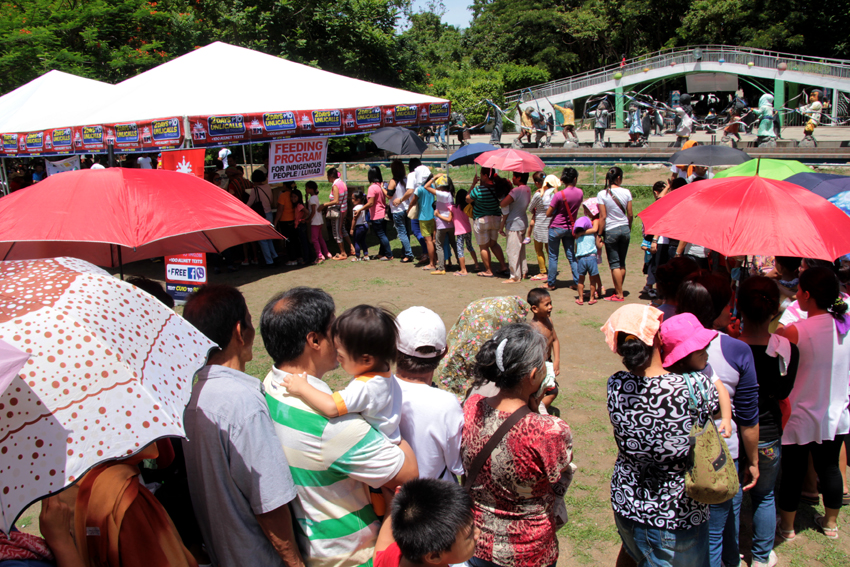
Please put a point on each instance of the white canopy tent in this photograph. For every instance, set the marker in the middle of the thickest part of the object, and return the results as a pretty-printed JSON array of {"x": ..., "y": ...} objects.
[{"x": 193, "y": 85}]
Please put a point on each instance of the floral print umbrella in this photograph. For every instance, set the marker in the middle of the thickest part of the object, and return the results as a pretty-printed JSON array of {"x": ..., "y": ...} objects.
[
  {"x": 110, "y": 371},
  {"x": 476, "y": 324}
]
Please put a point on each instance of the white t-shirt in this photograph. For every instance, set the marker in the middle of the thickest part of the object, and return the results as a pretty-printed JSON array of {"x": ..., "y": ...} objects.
[
  {"x": 517, "y": 217},
  {"x": 417, "y": 177},
  {"x": 144, "y": 162},
  {"x": 377, "y": 398},
  {"x": 443, "y": 200},
  {"x": 97, "y": 166},
  {"x": 615, "y": 216},
  {"x": 694, "y": 250},
  {"x": 361, "y": 219},
  {"x": 400, "y": 188},
  {"x": 317, "y": 218},
  {"x": 432, "y": 423}
]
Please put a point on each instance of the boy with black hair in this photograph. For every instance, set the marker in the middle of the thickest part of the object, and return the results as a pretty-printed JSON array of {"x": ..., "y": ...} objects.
[
  {"x": 541, "y": 308},
  {"x": 431, "y": 523}
]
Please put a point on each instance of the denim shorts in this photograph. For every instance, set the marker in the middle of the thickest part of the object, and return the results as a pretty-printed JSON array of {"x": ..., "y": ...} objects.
[
  {"x": 664, "y": 548},
  {"x": 617, "y": 246},
  {"x": 587, "y": 265}
]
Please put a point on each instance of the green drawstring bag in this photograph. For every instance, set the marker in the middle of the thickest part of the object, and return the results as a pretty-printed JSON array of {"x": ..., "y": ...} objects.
[{"x": 710, "y": 477}]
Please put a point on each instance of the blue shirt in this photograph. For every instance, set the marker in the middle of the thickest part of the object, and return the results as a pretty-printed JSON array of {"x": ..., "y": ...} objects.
[
  {"x": 426, "y": 204},
  {"x": 585, "y": 245}
]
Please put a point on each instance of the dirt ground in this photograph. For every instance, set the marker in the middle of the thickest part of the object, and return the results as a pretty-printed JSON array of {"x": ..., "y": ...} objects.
[{"x": 590, "y": 537}]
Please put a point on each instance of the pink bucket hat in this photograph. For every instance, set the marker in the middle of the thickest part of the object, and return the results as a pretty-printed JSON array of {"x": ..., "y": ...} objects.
[
  {"x": 680, "y": 336},
  {"x": 642, "y": 321},
  {"x": 591, "y": 205}
]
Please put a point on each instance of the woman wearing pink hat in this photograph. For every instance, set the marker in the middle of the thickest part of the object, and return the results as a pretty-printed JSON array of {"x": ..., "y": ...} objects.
[{"x": 659, "y": 524}]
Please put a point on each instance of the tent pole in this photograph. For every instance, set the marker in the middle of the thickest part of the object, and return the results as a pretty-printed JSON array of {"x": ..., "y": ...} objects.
[
  {"x": 244, "y": 159},
  {"x": 344, "y": 172},
  {"x": 111, "y": 154},
  {"x": 4, "y": 179}
]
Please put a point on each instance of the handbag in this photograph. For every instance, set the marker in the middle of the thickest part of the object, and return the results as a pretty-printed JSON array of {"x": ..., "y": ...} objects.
[
  {"x": 332, "y": 212},
  {"x": 468, "y": 210},
  {"x": 619, "y": 204},
  {"x": 413, "y": 212},
  {"x": 710, "y": 476}
]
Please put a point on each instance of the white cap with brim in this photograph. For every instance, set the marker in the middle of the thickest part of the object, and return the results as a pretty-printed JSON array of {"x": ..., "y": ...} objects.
[{"x": 420, "y": 327}]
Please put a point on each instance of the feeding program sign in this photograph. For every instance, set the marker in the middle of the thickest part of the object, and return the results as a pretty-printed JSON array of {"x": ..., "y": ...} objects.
[{"x": 297, "y": 159}]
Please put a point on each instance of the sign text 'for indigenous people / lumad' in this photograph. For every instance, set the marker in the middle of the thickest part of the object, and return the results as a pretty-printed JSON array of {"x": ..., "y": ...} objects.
[{"x": 297, "y": 159}]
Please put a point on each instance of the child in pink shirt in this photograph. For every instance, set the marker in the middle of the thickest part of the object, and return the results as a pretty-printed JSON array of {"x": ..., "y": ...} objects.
[{"x": 463, "y": 232}]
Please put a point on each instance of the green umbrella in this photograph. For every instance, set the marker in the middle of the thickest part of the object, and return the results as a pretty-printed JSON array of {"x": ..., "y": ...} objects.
[{"x": 779, "y": 169}]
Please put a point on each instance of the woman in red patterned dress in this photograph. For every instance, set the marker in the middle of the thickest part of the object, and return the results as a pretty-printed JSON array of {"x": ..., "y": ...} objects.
[{"x": 513, "y": 494}]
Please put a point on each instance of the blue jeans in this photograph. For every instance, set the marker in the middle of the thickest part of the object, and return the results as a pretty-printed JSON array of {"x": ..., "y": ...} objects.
[
  {"x": 380, "y": 231},
  {"x": 762, "y": 496},
  {"x": 401, "y": 229},
  {"x": 657, "y": 547},
  {"x": 414, "y": 228},
  {"x": 723, "y": 524},
  {"x": 267, "y": 246},
  {"x": 556, "y": 236},
  {"x": 360, "y": 240},
  {"x": 441, "y": 134}
]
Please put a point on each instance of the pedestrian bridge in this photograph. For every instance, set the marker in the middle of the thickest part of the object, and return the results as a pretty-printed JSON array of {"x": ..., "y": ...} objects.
[{"x": 782, "y": 68}]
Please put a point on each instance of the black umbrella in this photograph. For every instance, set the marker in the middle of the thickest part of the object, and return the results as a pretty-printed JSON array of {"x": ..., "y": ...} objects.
[
  {"x": 709, "y": 156},
  {"x": 399, "y": 141}
]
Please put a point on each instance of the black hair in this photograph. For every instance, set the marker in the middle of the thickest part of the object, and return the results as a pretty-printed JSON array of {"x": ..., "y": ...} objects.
[
  {"x": 214, "y": 310},
  {"x": 311, "y": 185},
  {"x": 427, "y": 516},
  {"x": 297, "y": 193},
  {"x": 790, "y": 263},
  {"x": 658, "y": 186},
  {"x": 569, "y": 175},
  {"x": 677, "y": 183},
  {"x": 502, "y": 187},
  {"x": 397, "y": 169},
  {"x": 332, "y": 172},
  {"x": 460, "y": 198},
  {"x": 367, "y": 330},
  {"x": 613, "y": 175},
  {"x": 758, "y": 299},
  {"x": 523, "y": 177},
  {"x": 259, "y": 176},
  {"x": 669, "y": 276},
  {"x": 636, "y": 354},
  {"x": 538, "y": 177},
  {"x": 407, "y": 364},
  {"x": 818, "y": 263},
  {"x": 822, "y": 285},
  {"x": 536, "y": 295},
  {"x": 290, "y": 316},
  {"x": 705, "y": 295},
  {"x": 374, "y": 175},
  {"x": 153, "y": 288},
  {"x": 414, "y": 163},
  {"x": 358, "y": 197},
  {"x": 524, "y": 350},
  {"x": 486, "y": 172},
  {"x": 451, "y": 186},
  {"x": 240, "y": 169}
]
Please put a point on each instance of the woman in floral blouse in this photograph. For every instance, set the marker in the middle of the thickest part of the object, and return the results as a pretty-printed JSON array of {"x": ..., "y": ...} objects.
[{"x": 513, "y": 495}]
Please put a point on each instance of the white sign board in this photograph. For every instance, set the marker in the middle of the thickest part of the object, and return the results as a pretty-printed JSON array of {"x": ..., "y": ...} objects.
[
  {"x": 297, "y": 159},
  {"x": 712, "y": 83}
]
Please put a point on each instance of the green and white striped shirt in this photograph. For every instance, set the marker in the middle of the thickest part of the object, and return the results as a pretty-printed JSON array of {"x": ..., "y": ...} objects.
[{"x": 333, "y": 463}]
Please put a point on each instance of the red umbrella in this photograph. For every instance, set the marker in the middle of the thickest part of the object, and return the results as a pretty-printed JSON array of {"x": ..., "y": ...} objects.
[
  {"x": 751, "y": 215},
  {"x": 510, "y": 159},
  {"x": 112, "y": 216}
]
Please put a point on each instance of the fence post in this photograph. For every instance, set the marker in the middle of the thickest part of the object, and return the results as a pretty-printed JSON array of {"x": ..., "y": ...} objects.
[{"x": 345, "y": 173}]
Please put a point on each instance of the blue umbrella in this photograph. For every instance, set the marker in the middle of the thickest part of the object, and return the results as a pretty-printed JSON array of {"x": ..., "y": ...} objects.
[
  {"x": 467, "y": 154},
  {"x": 824, "y": 184},
  {"x": 841, "y": 200}
]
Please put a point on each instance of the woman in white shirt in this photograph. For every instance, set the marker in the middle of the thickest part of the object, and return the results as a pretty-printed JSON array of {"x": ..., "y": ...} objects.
[
  {"x": 615, "y": 223},
  {"x": 820, "y": 418}
]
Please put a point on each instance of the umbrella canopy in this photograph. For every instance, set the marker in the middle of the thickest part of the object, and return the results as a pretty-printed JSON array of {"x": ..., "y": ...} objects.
[
  {"x": 399, "y": 141},
  {"x": 771, "y": 168},
  {"x": 110, "y": 371},
  {"x": 467, "y": 154},
  {"x": 709, "y": 156},
  {"x": 751, "y": 215},
  {"x": 12, "y": 359},
  {"x": 842, "y": 201},
  {"x": 509, "y": 159},
  {"x": 824, "y": 184},
  {"x": 108, "y": 216}
]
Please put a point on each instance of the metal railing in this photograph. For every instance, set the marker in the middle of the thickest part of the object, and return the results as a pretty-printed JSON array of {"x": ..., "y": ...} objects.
[{"x": 837, "y": 68}]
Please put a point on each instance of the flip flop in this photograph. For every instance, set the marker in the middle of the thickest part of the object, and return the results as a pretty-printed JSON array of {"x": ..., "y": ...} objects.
[
  {"x": 539, "y": 277},
  {"x": 830, "y": 533},
  {"x": 461, "y": 275},
  {"x": 483, "y": 275},
  {"x": 614, "y": 298},
  {"x": 579, "y": 302},
  {"x": 592, "y": 301}
]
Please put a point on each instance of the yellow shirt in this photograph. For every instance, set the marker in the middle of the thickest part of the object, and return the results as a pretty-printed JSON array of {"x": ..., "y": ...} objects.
[{"x": 569, "y": 117}]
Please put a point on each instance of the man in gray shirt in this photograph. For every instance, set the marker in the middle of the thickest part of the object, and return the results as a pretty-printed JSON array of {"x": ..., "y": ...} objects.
[{"x": 239, "y": 478}]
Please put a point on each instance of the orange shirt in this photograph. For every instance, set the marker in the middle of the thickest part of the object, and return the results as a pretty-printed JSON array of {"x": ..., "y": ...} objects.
[{"x": 285, "y": 200}]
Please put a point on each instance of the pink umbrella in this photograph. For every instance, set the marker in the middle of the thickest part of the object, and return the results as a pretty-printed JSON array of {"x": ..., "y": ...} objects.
[
  {"x": 510, "y": 159},
  {"x": 11, "y": 361},
  {"x": 113, "y": 216}
]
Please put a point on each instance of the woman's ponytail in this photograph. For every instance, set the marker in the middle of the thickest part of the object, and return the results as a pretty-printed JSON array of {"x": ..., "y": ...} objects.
[{"x": 613, "y": 175}]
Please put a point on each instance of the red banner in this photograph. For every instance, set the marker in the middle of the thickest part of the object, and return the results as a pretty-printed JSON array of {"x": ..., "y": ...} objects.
[{"x": 184, "y": 161}]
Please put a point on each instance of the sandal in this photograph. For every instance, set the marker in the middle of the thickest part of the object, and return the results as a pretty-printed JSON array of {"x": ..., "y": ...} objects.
[
  {"x": 830, "y": 533},
  {"x": 786, "y": 535},
  {"x": 539, "y": 277},
  {"x": 614, "y": 298},
  {"x": 579, "y": 302},
  {"x": 592, "y": 301}
]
